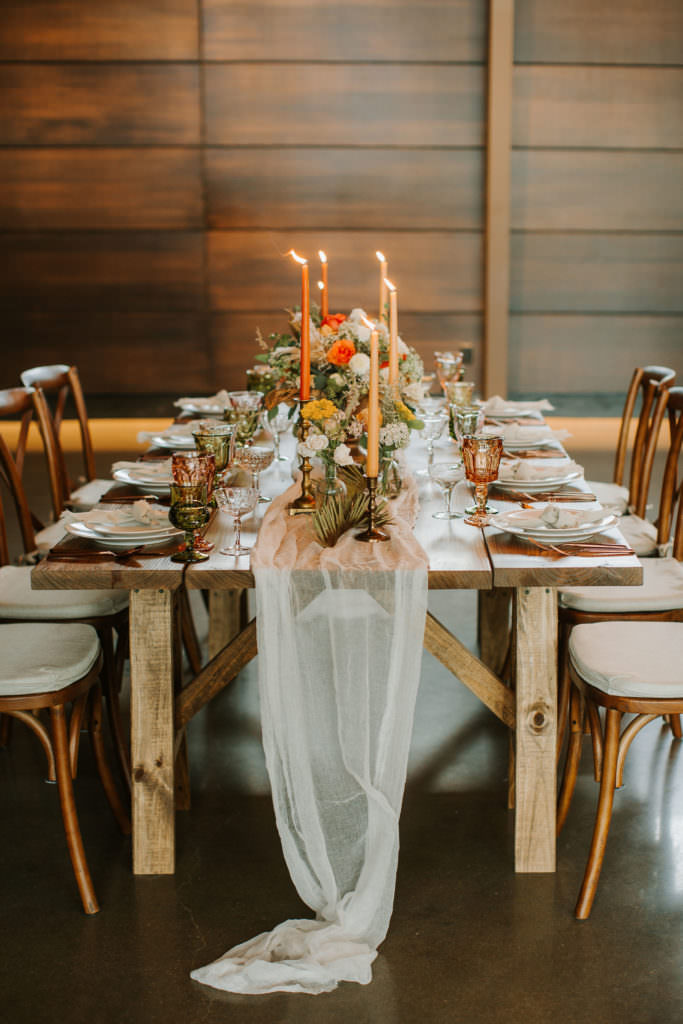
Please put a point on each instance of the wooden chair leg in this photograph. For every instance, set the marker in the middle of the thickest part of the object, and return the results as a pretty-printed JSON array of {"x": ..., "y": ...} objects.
[
  {"x": 102, "y": 763},
  {"x": 69, "y": 815},
  {"x": 595, "y": 728},
  {"x": 190, "y": 641},
  {"x": 571, "y": 764},
  {"x": 564, "y": 687},
  {"x": 75, "y": 726},
  {"x": 110, "y": 688},
  {"x": 35, "y": 725},
  {"x": 603, "y": 817},
  {"x": 5, "y": 730},
  {"x": 675, "y": 723}
]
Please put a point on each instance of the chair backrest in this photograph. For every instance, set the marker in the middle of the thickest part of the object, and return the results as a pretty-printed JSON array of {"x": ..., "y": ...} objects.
[
  {"x": 672, "y": 484},
  {"x": 59, "y": 382},
  {"x": 648, "y": 382},
  {"x": 23, "y": 405}
]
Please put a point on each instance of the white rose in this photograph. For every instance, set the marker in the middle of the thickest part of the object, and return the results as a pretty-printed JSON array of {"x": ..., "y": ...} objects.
[
  {"x": 414, "y": 392},
  {"x": 360, "y": 364},
  {"x": 304, "y": 451},
  {"x": 356, "y": 315},
  {"x": 317, "y": 442},
  {"x": 342, "y": 455},
  {"x": 363, "y": 332}
]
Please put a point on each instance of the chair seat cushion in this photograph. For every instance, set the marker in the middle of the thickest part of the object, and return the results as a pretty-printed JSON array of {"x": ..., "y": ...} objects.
[
  {"x": 89, "y": 494},
  {"x": 43, "y": 658},
  {"x": 613, "y": 496},
  {"x": 661, "y": 591},
  {"x": 630, "y": 659},
  {"x": 18, "y": 601},
  {"x": 640, "y": 534},
  {"x": 48, "y": 537}
]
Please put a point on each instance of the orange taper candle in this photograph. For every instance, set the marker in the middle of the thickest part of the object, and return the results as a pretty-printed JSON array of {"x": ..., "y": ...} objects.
[
  {"x": 393, "y": 336},
  {"x": 325, "y": 300},
  {"x": 305, "y": 365},
  {"x": 372, "y": 461},
  {"x": 383, "y": 271}
]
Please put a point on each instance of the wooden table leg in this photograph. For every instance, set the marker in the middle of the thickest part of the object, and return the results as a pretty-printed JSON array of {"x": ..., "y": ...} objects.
[
  {"x": 536, "y": 695},
  {"x": 225, "y": 618},
  {"x": 151, "y": 670}
]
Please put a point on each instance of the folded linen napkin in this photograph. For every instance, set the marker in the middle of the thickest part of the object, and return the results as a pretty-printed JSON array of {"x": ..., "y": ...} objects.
[
  {"x": 183, "y": 430},
  {"x": 517, "y": 433},
  {"x": 560, "y": 518},
  {"x": 527, "y": 469},
  {"x": 498, "y": 404},
  {"x": 219, "y": 400},
  {"x": 139, "y": 513},
  {"x": 156, "y": 471}
]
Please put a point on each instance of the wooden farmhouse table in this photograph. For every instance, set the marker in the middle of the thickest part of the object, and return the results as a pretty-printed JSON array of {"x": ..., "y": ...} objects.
[{"x": 493, "y": 563}]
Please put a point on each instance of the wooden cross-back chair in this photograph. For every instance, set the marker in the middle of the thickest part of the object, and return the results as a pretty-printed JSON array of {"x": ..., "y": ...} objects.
[
  {"x": 105, "y": 610},
  {"x": 46, "y": 667},
  {"x": 647, "y": 383}
]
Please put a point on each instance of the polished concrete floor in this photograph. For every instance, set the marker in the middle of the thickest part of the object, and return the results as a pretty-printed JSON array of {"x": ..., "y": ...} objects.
[{"x": 469, "y": 940}]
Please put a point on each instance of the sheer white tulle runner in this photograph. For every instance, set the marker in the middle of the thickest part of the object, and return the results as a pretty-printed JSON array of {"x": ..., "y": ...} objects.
[{"x": 340, "y": 634}]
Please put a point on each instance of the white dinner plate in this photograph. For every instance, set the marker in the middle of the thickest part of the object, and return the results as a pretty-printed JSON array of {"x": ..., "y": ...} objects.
[
  {"x": 513, "y": 414},
  {"x": 521, "y": 445},
  {"x": 534, "y": 486},
  {"x": 178, "y": 442},
  {"x": 518, "y": 523},
  {"x": 119, "y": 543},
  {"x": 134, "y": 530},
  {"x": 154, "y": 484},
  {"x": 202, "y": 408}
]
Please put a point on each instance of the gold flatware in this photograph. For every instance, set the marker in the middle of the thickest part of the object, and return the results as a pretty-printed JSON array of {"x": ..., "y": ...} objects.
[{"x": 585, "y": 549}]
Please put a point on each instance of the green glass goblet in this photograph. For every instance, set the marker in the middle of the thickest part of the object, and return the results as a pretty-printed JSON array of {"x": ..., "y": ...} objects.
[{"x": 190, "y": 512}]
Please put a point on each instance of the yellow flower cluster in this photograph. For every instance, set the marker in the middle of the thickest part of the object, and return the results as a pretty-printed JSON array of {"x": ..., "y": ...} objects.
[
  {"x": 319, "y": 410},
  {"x": 404, "y": 412}
]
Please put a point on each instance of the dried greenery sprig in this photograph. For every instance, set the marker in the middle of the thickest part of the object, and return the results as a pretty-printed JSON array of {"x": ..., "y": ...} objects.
[{"x": 334, "y": 518}]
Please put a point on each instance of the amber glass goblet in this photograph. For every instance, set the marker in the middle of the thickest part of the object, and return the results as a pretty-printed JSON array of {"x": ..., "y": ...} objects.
[
  {"x": 189, "y": 512},
  {"x": 196, "y": 468},
  {"x": 481, "y": 456}
]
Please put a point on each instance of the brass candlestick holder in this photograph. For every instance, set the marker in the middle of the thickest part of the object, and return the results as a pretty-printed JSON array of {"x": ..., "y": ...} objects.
[
  {"x": 306, "y": 500},
  {"x": 372, "y": 534}
]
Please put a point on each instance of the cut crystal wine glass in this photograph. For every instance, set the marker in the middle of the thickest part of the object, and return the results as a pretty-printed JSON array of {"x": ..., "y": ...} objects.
[{"x": 237, "y": 502}]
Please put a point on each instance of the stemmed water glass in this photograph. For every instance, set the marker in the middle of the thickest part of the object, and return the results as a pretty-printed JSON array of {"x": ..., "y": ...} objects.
[
  {"x": 481, "y": 455},
  {"x": 446, "y": 475},
  {"x": 277, "y": 422},
  {"x": 244, "y": 411},
  {"x": 194, "y": 469},
  {"x": 434, "y": 425},
  {"x": 237, "y": 502},
  {"x": 465, "y": 419},
  {"x": 189, "y": 512},
  {"x": 448, "y": 365},
  {"x": 254, "y": 458},
  {"x": 217, "y": 438}
]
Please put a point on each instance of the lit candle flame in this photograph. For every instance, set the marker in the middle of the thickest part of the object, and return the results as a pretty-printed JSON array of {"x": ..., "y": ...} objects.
[
  {"x": 299, "y": 259},
  {"x": 322, "y": 256},
  {"x": 321, "y": 286},
  {"x": 390, "y": 286},
  {"x": 369, "y": 323},
  {"x": 380, "y": 256}
]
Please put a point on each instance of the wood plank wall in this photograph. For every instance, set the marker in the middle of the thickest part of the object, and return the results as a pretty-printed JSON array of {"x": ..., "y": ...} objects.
[
  {"x": 597, "y": 193},
  {"x": 158, "y": 159}
]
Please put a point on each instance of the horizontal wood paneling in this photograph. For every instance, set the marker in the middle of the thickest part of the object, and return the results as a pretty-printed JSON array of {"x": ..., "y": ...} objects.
[
  {"x": 96, "y": 30},
  {"x": 615, "y": 273},
  {"x": 344, "y": 188},
  {"x": 123, "y": 271},
  {"x": 234, "y": 347},
  {"x": 435, "y": 271},
  {"x": 366, "y": 105},
  {"x": 589, "y": 353},
  {"x": 123, "y": 353},
  {"x": 353, "y": 30},
  {"x": 99, "y": 104},
  {"x": 602, "y": 106},
  {"x": 604, "y": 32},
  {"x": 44, "y": 189},
  {"x": 597, "y": 190}
]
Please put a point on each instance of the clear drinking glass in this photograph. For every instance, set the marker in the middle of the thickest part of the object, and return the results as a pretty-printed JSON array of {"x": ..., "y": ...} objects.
[
  {"x": 466, "y": 419},
  {"x": 254, "y": 458},
  {"x": 189, "y": 511},
  {"x": 481, "y": 456},
  {"x": 217, "y": 438},
  {"x": 244, "y": 411},
  {"x": 434, "y": 426},
  {"x": 459, "y": 392},
  {"x": 448, "y": 366},
  {"x": 446, "y": 475},
  {"x": 278, "y": 424},
  {"x": 237, "y": 502}
]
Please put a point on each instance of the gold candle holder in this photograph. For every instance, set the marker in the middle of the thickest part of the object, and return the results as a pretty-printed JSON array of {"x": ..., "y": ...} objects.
[
  {"x": 306, "y": 500},
  {"x": 372, "y": 534}
]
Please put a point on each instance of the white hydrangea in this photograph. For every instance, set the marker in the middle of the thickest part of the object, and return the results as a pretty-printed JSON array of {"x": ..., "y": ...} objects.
[
  {"x": 360, "y": 364},
  {"x": 394, "y": 435},
  {"x": 403, "y": 349},
  {"x": 414, "y": 392}
]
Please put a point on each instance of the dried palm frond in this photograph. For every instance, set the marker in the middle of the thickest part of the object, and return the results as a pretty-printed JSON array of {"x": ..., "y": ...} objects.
[
  {"x": 334, "y": 518},
  {"x": 353, "y": 479}
]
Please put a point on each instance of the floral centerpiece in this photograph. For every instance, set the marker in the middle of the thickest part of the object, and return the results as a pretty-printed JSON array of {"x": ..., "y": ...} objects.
[{"x": 340, "y": 367}]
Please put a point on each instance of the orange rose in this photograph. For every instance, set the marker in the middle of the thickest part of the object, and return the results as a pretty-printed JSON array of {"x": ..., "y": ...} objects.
[
  {"x": 333, "y": 320},
  {"x": 341, "y": 352}
]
